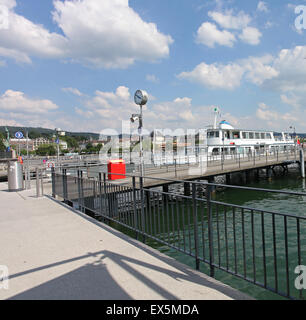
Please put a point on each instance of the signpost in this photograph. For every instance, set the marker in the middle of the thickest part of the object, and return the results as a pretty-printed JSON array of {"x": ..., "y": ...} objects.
[{"x": 19, "y": 136}]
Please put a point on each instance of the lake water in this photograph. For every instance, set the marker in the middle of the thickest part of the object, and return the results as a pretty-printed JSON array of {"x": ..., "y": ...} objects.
[
  {"x": 260, "y": 200},
  {"x": 287, "y": 204}
]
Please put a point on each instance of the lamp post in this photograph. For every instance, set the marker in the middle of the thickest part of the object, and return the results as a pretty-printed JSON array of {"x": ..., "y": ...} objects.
[
  {"x": 57, "y": 131},
  {"x": 141, "y": 99}
]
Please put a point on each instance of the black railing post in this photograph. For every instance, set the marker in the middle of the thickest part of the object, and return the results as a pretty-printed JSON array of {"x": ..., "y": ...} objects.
[
  {"x": 210, "y": 230},
  {"x": 79, "y": 189},
  {"x": 135, "y": 208},
  {"x": 82, "y": 191},
  {"x": 106, "y": 201},
  {"x": 100, "y": 192},
  {"x": 53, "y": 182},
  {"x": 195, "y": 223},
  {"x": 143, "y": 223},
  {"x": 64, "y": 174}
]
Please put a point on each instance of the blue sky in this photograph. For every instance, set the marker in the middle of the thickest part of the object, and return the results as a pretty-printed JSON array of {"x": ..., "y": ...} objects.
[{"x": 76, "y": 64}]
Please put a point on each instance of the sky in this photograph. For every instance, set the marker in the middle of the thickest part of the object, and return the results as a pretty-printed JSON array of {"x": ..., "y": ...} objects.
[{"x": 76, "y": 64}]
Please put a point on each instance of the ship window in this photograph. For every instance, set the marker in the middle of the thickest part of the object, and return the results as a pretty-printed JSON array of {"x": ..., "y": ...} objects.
[
  {"x": 262, "y": 135},
  {"x": 268, "y": 136},
  {"x": 236, "y": 135},
  {"x": 251, "y": 135},
  {"x": 256, "y": 135},
  {"x": 245, "y": 135},
  {"x": 213, "y": 134}
]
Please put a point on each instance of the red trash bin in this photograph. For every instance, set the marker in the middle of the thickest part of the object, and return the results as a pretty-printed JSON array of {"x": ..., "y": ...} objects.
[{"x": 116, "y": 166}]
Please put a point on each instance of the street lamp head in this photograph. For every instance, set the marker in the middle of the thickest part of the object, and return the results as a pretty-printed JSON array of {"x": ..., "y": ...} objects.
[{"x": 135, "y": 117}]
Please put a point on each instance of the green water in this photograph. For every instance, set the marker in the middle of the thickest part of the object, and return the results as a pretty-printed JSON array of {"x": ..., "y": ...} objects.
[
  {"x": 295, "y": 205},
  {"x": 232, "y": 229}
]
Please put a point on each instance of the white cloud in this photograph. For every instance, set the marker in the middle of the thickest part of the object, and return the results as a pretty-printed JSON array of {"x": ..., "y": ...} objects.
[
  {"x": 293, "y": 101},
  {"x": 259, "y": 69},
  {"x": 284, "y": 72},
  {"x": 229, "y": 76},
  {"x": 16, "y": 101},
  {"x": 209, "y": 35},
  {"x": 17, "y": 109},
  {"x": 74, "y": 91},
  {"x": 108, "y": 109},
  {"x": 6, "y": 122},
  {"x": 250, "y": 35},
  {"x": 215, "y": 76},
  {"x": 262, "y": 6},
  {"x": 269, "y": 24},
  {"x": 228, "y": 20},
  {"x": 275, "y": 119},
  {"x": 23, "y": 38},
  {"x": 107, "y": 34},
  {"x": 291, "y": 65},
  {"x": 152, "y": 78},
  {"x": 8, "y": 3}
]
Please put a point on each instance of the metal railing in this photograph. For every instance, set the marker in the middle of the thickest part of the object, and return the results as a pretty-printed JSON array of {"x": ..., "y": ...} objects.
[
  {"x": 6, "y": 154},
  {"x": 176, "y": 163},
  {"x": 254, "y": 244}
]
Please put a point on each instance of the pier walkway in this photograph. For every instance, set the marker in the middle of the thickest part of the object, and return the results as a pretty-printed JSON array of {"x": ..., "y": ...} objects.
[
  {"x": 55, "y": 252},
  {"x": 206, "y": 169}
]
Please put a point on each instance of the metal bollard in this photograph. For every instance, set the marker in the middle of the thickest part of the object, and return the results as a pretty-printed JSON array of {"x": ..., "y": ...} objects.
[
  {"x": 37, "y": 183},
  {"x": 42, "y": 182}
]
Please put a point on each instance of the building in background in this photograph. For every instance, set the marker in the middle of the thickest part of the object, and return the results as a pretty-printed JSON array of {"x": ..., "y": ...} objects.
[{"x": 33, "y": 144}]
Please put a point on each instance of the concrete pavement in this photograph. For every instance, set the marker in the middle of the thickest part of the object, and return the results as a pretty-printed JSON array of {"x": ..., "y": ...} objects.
[{"x": 54, "y": 252}]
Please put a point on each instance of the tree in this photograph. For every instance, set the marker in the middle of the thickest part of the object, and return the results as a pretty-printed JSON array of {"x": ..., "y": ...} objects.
[
  {"x": 71, "y": 142},
  {"x": 46, "y": 150},
  {"x": 2, "y": 146},
  {"x": 34, "y": 135}
]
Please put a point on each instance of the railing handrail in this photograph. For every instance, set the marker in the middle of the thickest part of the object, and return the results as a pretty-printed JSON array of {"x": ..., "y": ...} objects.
[{"x": 207, "y": 184}]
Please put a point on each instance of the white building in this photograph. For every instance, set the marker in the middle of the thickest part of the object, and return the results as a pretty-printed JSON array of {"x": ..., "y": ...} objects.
[{"x": 63, "y": 145}]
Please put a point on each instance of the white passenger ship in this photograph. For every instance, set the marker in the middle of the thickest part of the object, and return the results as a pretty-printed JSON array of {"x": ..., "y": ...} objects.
[
  {"x": 221, "y": 140},
  {"x": 229, "y": 140}
]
